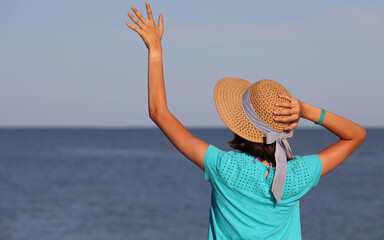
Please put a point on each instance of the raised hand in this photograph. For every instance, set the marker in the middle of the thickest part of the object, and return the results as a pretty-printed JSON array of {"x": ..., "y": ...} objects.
[
  {"x": 146, "y": 28},
  {"x": 294, "y": 112}
]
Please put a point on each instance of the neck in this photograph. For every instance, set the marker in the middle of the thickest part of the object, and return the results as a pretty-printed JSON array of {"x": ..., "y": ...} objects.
[{"x": 265, "y": 162}]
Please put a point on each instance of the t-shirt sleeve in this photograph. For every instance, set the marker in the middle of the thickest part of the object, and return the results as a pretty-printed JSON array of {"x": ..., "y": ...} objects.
[
  {"x": 307, "y": 175},
  {"x": 212, "y": 160},
  {"x": 315, "y": 167}
]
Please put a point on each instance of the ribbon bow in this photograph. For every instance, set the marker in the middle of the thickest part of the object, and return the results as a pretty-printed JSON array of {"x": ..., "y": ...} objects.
[{"x": 282, "y": 149}]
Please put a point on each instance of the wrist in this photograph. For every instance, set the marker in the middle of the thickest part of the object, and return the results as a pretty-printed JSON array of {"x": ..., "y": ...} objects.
[
  {"x": 302, "y": 108},
  {"x": 155, "y": 51},
  {"x": 311, "y": 113},
  {"x": 306, "y": 110},
  {"x": 155, "y": 47}
]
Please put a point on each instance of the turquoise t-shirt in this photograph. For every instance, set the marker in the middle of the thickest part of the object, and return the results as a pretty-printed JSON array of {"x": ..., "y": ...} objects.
[{"x": 242, "y": 204}]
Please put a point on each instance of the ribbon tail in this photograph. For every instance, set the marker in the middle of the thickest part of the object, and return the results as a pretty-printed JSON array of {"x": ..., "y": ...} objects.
[
  {"x": 281, "y": 171},
  {"x": 287, "y": 148}
]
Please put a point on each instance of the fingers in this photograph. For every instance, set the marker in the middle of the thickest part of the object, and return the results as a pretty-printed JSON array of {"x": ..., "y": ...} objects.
[
  {"x": 133, "y": 27},
  {"x": 134, "y": 19},
  {"x": 161, "y": 27},
  {"x": 285, "y": 104},
  {"x": 291, "y": 126},
  {"x": 290, "y": 104},
  {"x": 286, "y": 97},
  {"x": 149, "y": 11},
  {"x": 286, "y": 119},
  {"x": 290, "y": 115},
  {"x": 138, "y": 14},
  {"x": 146, "y": 28},
  {"x": 292, "y": 120},
  {"x": 285, "y": 112}
]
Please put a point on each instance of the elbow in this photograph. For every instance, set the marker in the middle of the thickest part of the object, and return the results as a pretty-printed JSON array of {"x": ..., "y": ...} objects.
[
  {"x": 155, "y": 115},
  {"x": 361, "y": 135}
]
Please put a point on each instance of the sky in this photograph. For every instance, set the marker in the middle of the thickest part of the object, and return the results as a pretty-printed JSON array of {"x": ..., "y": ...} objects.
[{"x": 76, "y": 64}]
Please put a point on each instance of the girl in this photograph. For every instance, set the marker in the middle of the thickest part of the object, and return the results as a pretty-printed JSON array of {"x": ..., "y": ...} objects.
[{"x": 255, "y": 193}]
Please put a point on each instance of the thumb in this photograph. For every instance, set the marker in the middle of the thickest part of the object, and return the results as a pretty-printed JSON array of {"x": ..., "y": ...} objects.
[{"x": 161, "y": 27}]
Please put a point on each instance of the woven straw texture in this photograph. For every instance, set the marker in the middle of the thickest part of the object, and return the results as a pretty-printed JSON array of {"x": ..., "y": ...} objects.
[{"x": 264, "y": 94}]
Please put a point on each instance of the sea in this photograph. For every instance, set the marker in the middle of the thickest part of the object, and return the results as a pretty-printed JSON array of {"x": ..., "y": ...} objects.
[{"x": 131, "y": 183}]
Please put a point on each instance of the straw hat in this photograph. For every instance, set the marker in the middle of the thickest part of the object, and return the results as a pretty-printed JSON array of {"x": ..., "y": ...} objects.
[{"x": 263, "y": 95}]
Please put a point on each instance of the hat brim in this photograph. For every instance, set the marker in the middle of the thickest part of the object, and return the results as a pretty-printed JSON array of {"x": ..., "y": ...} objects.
[
  {"x": 228, "y": 93},
  {"x": 228, "y": 99}
]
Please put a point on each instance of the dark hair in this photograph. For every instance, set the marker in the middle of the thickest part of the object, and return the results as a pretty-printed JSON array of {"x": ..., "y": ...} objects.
[{"x": 260, "y": 150}]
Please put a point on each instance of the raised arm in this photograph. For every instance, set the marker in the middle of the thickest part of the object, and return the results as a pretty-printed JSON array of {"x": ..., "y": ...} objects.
[
  {"x": 351, "y": 135},
  {"x": 192, "y": 147}
]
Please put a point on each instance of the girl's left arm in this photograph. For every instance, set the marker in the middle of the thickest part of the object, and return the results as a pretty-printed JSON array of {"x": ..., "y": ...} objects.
[{"x": 192, "y": 147}]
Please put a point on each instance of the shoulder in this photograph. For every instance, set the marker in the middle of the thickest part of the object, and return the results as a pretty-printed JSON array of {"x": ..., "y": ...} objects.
[
  {"x": 216, "y": 153},
  {"x": 309, "y": 164},
  {"x": 310, "y": 161},
  {"x": 216, "y": 158},
  {"x": 303, "y": 173}
]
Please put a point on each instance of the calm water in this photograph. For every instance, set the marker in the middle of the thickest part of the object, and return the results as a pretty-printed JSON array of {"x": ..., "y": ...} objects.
[{"x": 75, "y": 184}]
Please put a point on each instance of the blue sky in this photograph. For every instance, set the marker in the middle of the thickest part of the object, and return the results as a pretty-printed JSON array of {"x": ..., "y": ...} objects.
[{"x": 75, "y": 63}]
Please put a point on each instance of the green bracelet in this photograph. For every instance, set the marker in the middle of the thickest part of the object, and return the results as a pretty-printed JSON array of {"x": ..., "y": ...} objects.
[{"x": 321, "y": 117}]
